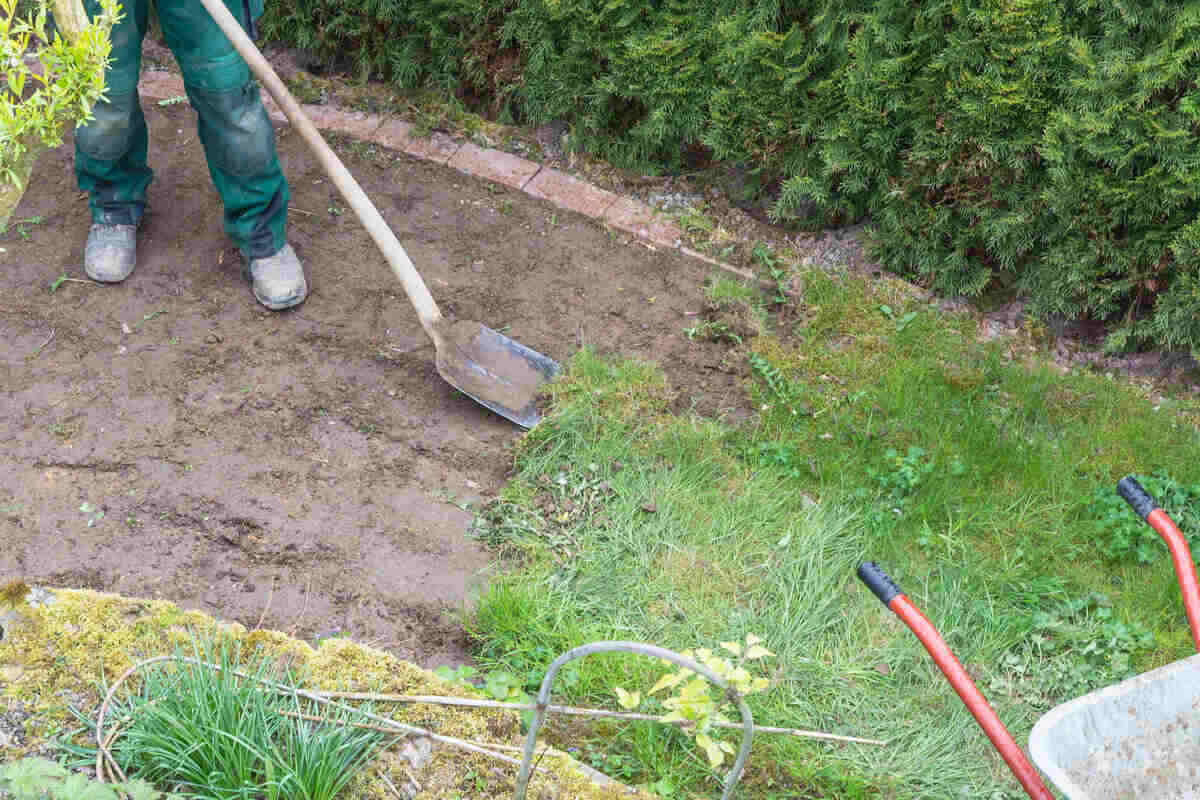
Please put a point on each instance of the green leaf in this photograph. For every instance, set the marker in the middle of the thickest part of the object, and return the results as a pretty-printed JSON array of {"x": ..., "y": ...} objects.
[
  {"x": 628, "y": 700},
  {"x": 29, "y": 777},
  {"x": 671, "y": 679},
  {"x": 138, "y": 789},
  {"x": 711, "y": 749},
  {"x": 78, "y": 787}
]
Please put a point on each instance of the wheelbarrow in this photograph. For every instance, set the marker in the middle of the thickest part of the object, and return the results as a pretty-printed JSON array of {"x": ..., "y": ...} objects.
[{"x": 1136, "y": 739}]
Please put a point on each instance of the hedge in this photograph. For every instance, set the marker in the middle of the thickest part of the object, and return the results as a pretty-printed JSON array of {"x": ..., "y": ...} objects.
[{"x": 1045, "y": 145}]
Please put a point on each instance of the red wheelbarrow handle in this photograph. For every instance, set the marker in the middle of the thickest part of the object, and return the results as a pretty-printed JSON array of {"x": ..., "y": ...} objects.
[
  {"x": 890, "y": 595},
  {"x": 1181, "y": 556}
]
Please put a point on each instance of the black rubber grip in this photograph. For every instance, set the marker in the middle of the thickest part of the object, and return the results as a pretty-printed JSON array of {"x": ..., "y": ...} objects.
[
  {"x": 878, "y": 581},
  {"x": 1136, "y": 496}
]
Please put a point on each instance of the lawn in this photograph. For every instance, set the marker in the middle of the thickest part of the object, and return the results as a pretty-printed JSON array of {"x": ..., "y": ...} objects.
[{"x": 980, "y": 476}]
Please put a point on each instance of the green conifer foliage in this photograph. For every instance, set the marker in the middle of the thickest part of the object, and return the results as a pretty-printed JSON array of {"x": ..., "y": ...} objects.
[{"x": 1047, "y": 145}]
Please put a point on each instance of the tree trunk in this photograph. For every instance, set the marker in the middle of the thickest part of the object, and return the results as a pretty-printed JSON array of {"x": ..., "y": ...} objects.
[
  {"x": 10, "y": 194},
  {"x": 70, "y": 18}
]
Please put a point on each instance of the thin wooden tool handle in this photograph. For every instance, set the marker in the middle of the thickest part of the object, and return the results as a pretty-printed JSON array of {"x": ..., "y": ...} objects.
[{"x": 356, "y": 198}]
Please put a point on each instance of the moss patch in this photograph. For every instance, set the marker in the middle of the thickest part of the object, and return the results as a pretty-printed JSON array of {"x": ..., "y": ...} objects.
[{"x": 64, "y": 650}]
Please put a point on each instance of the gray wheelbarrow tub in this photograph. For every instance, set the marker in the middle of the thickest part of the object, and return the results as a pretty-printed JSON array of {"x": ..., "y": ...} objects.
[{"x": 1136, "y": 739}]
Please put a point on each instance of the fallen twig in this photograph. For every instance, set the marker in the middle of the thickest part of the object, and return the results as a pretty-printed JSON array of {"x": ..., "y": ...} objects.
[
  {"x": 585, "y": 712},
  {"x": 42, "y": 346},
  {"x": 437, "y": 737},
  {"x": 389, "y": 784}
]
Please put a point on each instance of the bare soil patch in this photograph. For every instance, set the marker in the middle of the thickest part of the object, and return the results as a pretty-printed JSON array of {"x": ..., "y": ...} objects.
[{"x": 305, "y": 471}]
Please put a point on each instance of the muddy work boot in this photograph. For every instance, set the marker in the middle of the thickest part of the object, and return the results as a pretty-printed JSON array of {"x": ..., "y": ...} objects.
[
  {"x": 278, "y": 280},
  {"x": 110, "y": 253}
]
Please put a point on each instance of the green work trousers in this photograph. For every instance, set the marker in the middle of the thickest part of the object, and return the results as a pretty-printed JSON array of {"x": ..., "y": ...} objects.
[{"x": 239, "y": 142}]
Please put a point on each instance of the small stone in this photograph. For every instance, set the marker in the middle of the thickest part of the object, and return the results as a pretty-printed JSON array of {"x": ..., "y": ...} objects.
[
  {"x": 417, "y": 752},
  {"x": 212, "y": 338},
  {"x": 883, "y": 669},
  {"x": 649, "y": 508},
  {"x": 10, "y": 673}
]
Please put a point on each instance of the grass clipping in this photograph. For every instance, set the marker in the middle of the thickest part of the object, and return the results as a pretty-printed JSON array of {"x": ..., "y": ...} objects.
[{"x": 59, "y": 646}]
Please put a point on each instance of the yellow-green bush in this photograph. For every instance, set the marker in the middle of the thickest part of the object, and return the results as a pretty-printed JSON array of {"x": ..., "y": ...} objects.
[{"x": 37, "y": 105}]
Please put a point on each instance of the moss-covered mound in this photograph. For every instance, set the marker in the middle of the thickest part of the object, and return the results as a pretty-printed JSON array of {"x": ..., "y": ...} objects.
[{"x": 59, "y": 647}]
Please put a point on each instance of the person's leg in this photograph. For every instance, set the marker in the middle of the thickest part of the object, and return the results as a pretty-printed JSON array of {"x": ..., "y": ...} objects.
[
  {"x": 240, "y": 145},
  {"x": 110, "y": 153}
]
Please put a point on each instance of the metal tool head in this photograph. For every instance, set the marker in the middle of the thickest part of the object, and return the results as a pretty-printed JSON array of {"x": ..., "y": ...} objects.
[{"x": 493, "y": 370}]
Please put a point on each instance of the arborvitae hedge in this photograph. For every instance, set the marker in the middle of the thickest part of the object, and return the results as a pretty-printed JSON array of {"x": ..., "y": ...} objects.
[{"x": 1046, "y": 144}]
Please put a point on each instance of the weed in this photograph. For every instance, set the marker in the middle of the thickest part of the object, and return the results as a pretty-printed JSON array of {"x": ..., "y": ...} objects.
[
  {"x": 1075, "y": 646},
  {"x": 91, "y": 513},
  {"x": 694, "y": 221},
  {"x": 902, "y": 474},
  {"x": 780, "y": 390},
  {"x": 22, "y": 226},
  {"x": 780, "y": 275},
  {"x": 713, "y": 330},
  {"x": 150, "y": 317},
  {"x": 173, "y": 100},
  {"x": 901, "y": 322},
  {"x": 40, "y": 779},
  {"x": 461, "y": 674},
  {"x": 783, "y": 457},
  {"x": 1125, "y": 537},
  {"x": 499, "y": 685}
]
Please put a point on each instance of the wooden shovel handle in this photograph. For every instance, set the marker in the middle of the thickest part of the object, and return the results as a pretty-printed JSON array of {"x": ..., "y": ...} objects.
[{"x": 356, "y": 198}]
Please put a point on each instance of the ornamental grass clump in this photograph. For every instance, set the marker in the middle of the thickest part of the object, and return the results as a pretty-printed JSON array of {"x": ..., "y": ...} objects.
[{"x": 59, "y": 88}]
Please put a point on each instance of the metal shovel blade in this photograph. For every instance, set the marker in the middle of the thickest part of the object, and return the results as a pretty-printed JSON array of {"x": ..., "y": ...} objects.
[{"x": 493, "y": 370}]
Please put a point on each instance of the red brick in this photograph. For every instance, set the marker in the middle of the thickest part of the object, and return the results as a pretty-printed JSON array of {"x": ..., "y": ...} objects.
[
  {"x": 395, "y": 134},
  {"x": 398, "y": 135},
  {"x": 494, "y": 165},
  {"x": 638, "y": 218},
  {"x": 355, "y": 123},
  {"x": 438, "y": 148},
  {"x": 569, "y": 192}
]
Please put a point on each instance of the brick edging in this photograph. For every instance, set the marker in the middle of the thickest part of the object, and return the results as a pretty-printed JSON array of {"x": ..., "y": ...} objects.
[{"x": 534, "y": 179}]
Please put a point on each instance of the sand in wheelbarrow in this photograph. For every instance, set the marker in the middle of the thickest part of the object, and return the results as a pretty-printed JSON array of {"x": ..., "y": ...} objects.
[{"x": 1157, "y": 766}]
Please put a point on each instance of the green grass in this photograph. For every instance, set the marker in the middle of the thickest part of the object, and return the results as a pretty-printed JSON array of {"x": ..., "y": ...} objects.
[
  {"x": 208, "y": 734},
  {"x": 970, "y": 475}
]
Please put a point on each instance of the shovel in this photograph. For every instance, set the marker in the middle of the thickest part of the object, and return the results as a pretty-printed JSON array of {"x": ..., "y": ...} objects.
[{"x": 483, "y": 364}]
